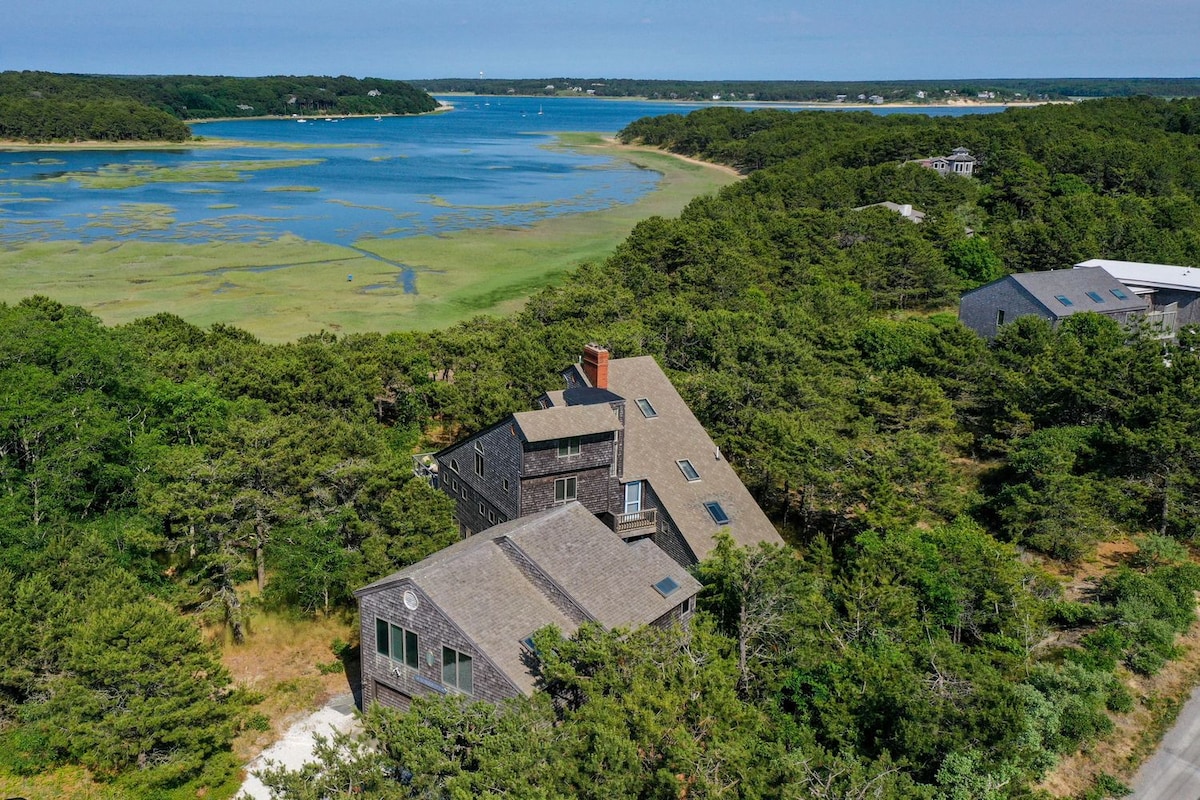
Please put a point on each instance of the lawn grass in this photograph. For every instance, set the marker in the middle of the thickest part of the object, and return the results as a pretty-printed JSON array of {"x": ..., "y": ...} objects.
[{"x": 282, "y": 289}]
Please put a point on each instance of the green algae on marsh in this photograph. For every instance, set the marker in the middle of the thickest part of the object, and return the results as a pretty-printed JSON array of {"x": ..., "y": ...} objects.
[{"x": 128, "y": 175}]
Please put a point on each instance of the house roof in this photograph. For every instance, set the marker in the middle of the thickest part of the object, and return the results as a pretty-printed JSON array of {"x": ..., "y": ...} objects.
[
  {"x": 483, "y": 591},
  {"x": 1154, "y": 276},
  {"x": 906, "y": 210},
  {"x": 654, "y": 446},
  {"x": 563, "y": 421},
  {"x": 1063, "y": 292}
]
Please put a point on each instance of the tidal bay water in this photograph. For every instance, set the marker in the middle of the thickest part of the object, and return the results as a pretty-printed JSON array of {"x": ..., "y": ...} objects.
[{"x": 491, "y": 161}]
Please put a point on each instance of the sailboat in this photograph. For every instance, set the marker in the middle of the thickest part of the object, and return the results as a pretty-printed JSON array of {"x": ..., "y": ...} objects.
[{"x": 539, "y": 110}]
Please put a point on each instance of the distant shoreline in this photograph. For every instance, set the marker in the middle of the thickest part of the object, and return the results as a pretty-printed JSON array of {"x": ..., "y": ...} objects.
[
  {"x": 801, "y": 104},
  {"x": 12, "y": 145}
]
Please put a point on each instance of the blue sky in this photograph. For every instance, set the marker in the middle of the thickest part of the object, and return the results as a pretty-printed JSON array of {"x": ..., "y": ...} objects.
[{"x": 687, "y": 39}]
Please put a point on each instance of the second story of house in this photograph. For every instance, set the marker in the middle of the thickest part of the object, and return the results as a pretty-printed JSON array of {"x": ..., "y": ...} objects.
[{"x": 621, "y": 441}]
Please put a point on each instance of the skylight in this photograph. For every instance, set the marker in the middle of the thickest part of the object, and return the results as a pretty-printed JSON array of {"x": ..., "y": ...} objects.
[
  {"x": 688, "y": 470},
  {"x": 1117, "y": 293},
  {"x": 1062, "y": 298},
  {"x": 1096, "y": 297},
  {"x": 716, "y": 512},
  {"x": 667, "y": 586},
  {"x": 647, "y": 410}
]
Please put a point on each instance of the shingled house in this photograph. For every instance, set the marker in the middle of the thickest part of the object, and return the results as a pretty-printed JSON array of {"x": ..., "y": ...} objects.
[
  {"x": 1051, "y": 295},
  {"x": 460, "y": 621},
  {"x": 620, "y": 441}
]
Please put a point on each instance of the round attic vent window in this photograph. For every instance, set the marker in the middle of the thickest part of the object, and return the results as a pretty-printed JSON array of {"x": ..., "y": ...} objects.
[{"x": 410, "y": 600}]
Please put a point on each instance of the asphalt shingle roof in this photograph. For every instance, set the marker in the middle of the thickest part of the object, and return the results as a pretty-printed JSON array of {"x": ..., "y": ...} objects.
[
  {"x": 481, "y": 589},
  {"x": 654, "y": 446},
  {"x": 564, "y": 421},
  {"x": 1046, "y": 288}
]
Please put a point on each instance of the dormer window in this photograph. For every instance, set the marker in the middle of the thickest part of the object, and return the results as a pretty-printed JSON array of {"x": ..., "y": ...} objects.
[
  {"x": 688, "y": 470},
  {"x": 647, "y": 410},
  {"x": 568, "y": 447}
]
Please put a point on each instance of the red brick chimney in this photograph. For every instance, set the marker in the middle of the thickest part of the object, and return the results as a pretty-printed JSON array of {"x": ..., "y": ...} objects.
[{"x": 595, "y": 365}]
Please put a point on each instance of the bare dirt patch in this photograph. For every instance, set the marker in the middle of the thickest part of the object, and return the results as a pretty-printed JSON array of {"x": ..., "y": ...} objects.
[{"x": 292, "y": 664}]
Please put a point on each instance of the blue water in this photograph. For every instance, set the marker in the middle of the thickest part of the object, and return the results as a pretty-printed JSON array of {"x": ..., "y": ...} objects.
[{"x": 490, "y": 161}]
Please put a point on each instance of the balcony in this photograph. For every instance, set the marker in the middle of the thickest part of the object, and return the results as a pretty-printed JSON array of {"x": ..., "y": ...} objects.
[
  {"x": 425, "y": 467},
  {"x": 633, "y": 524}
]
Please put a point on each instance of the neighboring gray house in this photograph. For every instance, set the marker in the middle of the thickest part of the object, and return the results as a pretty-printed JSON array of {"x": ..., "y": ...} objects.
[
  {"x": 1050, "y": 295},
  {"x": 1171, "y": 291},
  {"x": 959, "y": 162},
  {"x": 460, "y": 621},
  {"x": 620, "y": 441}
]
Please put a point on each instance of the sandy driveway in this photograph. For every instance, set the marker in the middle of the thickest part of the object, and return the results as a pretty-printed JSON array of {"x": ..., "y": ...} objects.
[{"x": 297, "y": 744}]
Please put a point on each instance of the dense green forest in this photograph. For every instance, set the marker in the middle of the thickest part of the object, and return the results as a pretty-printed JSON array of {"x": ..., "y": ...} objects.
[
  {"x": 912, "y": 641},
  {"x": 1001, "y": 89},
  {"x": 50, "y": 107}
]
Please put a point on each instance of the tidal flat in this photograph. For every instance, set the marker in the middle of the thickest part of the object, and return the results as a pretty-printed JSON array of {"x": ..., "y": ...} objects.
[{"x": 284, "y": 287}]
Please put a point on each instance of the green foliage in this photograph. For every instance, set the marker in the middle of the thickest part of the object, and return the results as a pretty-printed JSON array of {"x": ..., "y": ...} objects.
[
  {"x": 897, "y": 650},
  {"x": 43, "y": 106}
]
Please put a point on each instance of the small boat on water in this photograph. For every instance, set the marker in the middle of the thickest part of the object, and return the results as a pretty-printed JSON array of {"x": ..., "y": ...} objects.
[
  {"x": 377, "y": 119},
  {"x": 301, "y": 120}
]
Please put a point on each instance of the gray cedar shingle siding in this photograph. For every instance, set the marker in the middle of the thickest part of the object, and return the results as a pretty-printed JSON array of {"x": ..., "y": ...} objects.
[
  {"x": 483, "y": 595},
  {"x": 979, "y": 309},
  {"x": 1038, "y": 293},
  {"x": 667, "y": 535},
  {"x": 434, "y": 630},
  {"x": 618, "y": 444}
]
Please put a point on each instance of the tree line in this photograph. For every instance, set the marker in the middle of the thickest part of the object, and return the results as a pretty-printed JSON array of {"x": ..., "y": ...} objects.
[
  {"x": 933, "y": 91},
  {"x": 911, "y": 640},
  {"x": 46, "y": 107}
]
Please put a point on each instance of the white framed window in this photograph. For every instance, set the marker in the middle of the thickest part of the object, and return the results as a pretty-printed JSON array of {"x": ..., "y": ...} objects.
[
  {"x": 647, "y": 410},
  {"x": 633, "y": 497},
  {"x": 479, "y": 464},
  {"x": 568, "y": 447},
  {"x": 457, "y": 670},
  {"x": 454, "y": 464},
  {"x": 565, "y": 489},
  {"x": 688, "y": 470}
]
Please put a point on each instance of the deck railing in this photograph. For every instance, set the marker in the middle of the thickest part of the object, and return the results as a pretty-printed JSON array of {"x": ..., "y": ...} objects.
[
  {"x": 425, "y": 467},
  {"x": 635, "y": 521}
]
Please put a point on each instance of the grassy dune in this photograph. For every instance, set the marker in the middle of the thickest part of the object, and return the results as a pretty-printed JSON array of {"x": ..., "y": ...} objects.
[{"x": 282, "y": 289}]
